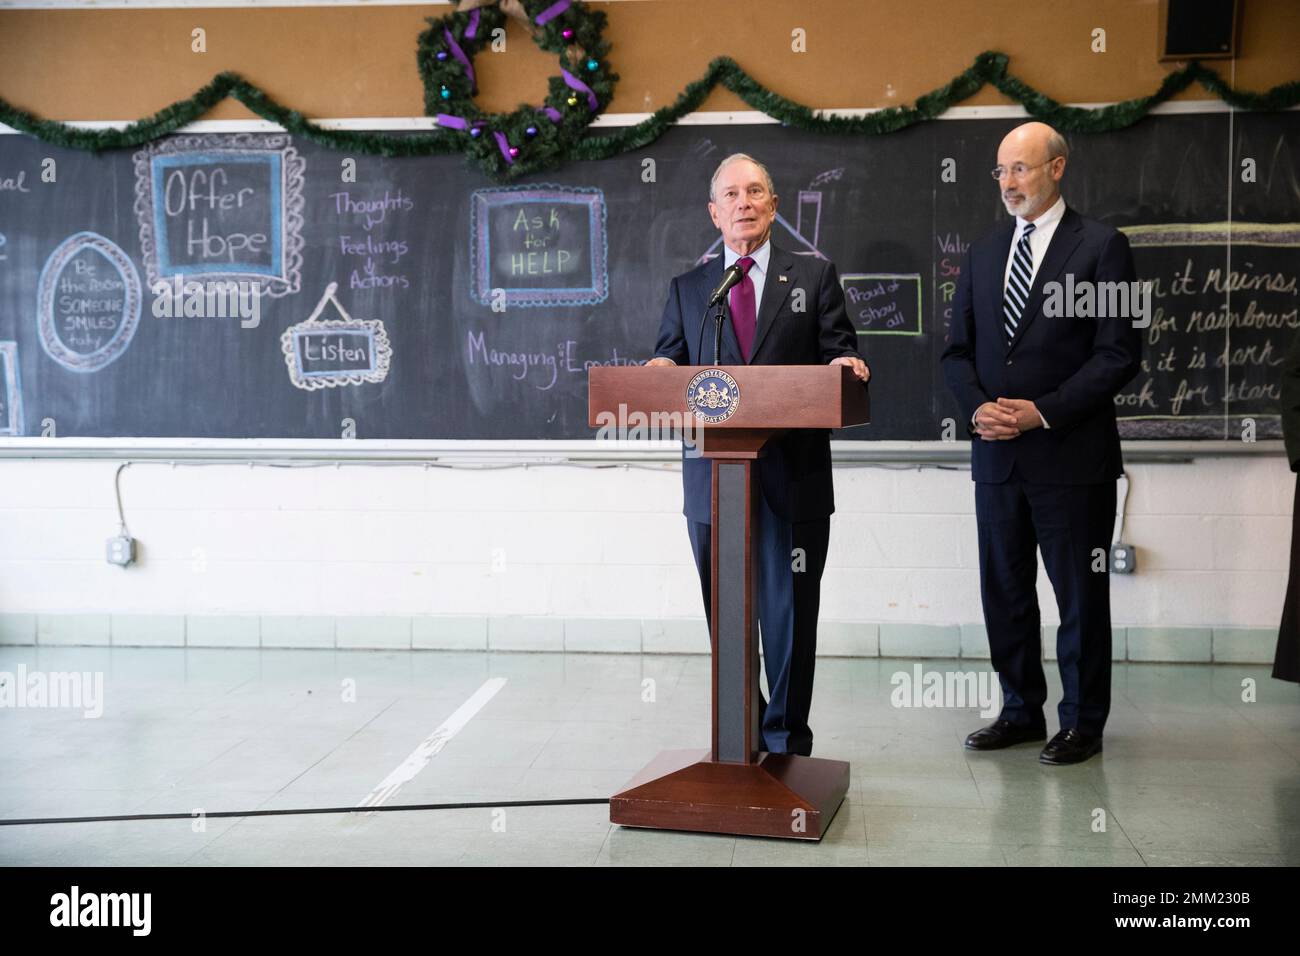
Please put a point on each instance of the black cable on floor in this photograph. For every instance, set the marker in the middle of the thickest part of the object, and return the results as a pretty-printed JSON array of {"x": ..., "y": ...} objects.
[{"x": 593, "y": 801}]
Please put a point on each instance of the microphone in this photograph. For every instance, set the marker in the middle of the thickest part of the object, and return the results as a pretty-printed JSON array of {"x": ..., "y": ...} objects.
[{"x": 729, "y": 278}]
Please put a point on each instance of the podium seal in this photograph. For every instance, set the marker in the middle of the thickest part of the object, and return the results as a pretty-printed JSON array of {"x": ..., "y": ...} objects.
[{"x": 713, "y": 396}]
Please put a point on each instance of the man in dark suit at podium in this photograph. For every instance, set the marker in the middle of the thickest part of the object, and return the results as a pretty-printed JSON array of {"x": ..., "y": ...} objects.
[
  {"x": 787, "y": 310},
  {"x": 1037, "y": 390}
]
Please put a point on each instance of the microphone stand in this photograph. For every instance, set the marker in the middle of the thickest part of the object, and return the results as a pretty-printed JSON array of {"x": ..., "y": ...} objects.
[{"x": 717, "y": 332}]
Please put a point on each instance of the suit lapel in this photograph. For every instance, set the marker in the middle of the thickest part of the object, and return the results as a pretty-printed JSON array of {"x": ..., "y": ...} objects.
[
  {"x": 1064, "y": 241},
  {"x": 776, "y": 287}
]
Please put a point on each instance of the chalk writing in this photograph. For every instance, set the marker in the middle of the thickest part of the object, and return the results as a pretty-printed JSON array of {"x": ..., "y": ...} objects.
[
  {"x": 883, "y": 303},
  {"x": 14, "y": 183},
  {"x": 88, "y": 302},
  {"x": 222, "y": 206},
  {"x": 1219, "y": 327},
  {"x": 947, "y": 269},
  {"x": 377, "y": 254},
  {"x": 549, "y": 366},
  {"x": 542, "y": 245}
]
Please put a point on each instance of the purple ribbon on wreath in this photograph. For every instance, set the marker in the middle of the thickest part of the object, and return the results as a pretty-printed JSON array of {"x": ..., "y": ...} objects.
[
  {"x": 573, "y": 83},
  {"x": 503, "y": 144},
  {"x": 551, "y": 12},
  {"x": 459, "y": 54}
]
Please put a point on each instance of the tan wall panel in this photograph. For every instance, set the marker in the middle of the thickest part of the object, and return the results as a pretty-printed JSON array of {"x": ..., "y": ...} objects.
[{"x": 360, "y": 61}]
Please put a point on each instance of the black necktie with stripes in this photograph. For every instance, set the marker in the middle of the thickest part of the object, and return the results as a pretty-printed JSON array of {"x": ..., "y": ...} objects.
[{"x": 1018, "y": 283}]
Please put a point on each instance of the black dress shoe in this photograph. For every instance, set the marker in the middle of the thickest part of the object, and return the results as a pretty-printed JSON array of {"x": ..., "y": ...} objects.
[
  {"x": 1070, "y": 746},
  {"x": 1003, "y": 733}
]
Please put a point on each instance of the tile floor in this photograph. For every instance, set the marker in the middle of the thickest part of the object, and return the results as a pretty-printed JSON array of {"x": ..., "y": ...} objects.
[{"x": 1191, "y": 774}]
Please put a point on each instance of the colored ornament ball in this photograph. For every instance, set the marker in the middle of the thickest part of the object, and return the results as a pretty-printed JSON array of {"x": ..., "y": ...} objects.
[
  {"x": 514, "y": 151},
  {"x": 475, "y": 132},
  {"x": 566, "y": 33},
  {"x": 445, "y": 93},
  {"x": 441, "y": 54},
  {"x": 572, "y": 101},
  {"x": 531, "y": 131},
  {"x": 592, "y": 64}
]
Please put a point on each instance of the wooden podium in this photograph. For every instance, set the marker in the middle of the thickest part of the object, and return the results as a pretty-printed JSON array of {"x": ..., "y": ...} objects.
[{"x": 733, "y": 411}]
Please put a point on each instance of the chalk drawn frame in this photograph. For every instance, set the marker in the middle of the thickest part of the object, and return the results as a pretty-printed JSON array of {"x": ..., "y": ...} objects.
[
  {"x": 11, "y": 427},
  {"x": 920, "y": 315},
  {"x": 484, "y": 201},
  {"x": 381, "y": 350},
  {"x": 111, "y": 350},
  {"x": 376, "y": 339},
  {"x": 287, "y": 168}
]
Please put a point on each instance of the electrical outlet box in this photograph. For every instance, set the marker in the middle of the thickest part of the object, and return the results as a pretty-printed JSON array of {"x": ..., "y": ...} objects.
[
  {"x": 1123, "y": 559},
  {"x": 121, "y": 550}
]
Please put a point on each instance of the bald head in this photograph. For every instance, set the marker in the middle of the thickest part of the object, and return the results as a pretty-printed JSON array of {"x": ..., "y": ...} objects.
[
  {"x": 1032, "y": 159},
  {"x": 1037, "y": 138}
]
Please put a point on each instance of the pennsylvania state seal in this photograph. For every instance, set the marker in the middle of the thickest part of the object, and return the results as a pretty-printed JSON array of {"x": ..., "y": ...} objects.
[{"x": 713, "y": 396}]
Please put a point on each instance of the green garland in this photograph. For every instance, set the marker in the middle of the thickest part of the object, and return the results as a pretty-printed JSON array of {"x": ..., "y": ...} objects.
[{"x": 988, "y": 68}]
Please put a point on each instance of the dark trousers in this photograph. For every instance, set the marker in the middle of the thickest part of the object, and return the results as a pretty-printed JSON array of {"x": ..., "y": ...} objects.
[
  {"x": 788, "y": 601},
  {"x": 1068, "y": 522}
]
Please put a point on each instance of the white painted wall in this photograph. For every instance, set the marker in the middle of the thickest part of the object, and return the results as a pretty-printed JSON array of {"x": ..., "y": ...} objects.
[{"x": 585, "y": 542}]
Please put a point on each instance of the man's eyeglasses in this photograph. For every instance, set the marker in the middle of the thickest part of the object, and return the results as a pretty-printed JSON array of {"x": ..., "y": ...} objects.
[{"x": 1016, "y": 170}]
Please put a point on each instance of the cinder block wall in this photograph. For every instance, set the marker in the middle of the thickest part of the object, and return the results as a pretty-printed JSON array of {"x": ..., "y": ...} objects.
[{"x": 586, "y": 559}]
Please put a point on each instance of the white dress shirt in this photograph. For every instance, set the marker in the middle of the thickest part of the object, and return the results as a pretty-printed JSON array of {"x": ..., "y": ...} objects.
[{"x": 1044, "y": 228}]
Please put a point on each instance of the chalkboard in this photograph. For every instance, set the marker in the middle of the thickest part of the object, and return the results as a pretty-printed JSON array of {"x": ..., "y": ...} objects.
[{"x": 255, "y": 285}]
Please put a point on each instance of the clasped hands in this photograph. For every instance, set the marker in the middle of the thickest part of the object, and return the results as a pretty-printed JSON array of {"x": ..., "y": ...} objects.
[{"x": 1006, "y": 418}]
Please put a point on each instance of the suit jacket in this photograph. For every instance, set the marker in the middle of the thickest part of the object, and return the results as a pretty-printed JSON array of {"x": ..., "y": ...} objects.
[
  {"x": 1071, "y": 368},
  {"x": 1291, "y": 403},
  {"x": 795, "y": 470}
]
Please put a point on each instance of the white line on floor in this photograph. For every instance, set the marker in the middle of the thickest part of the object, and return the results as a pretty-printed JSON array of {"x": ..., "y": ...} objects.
[{"x": 430, "y": 746}]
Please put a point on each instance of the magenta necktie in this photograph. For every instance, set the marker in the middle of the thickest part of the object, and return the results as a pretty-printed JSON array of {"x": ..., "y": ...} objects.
[{"x": 742, "y": 308}]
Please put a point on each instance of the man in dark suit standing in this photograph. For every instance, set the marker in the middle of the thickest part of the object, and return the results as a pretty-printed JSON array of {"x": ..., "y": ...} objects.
[
  {"x": 787, "y": 310},
  {"x": 1038, "y": 391}
]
